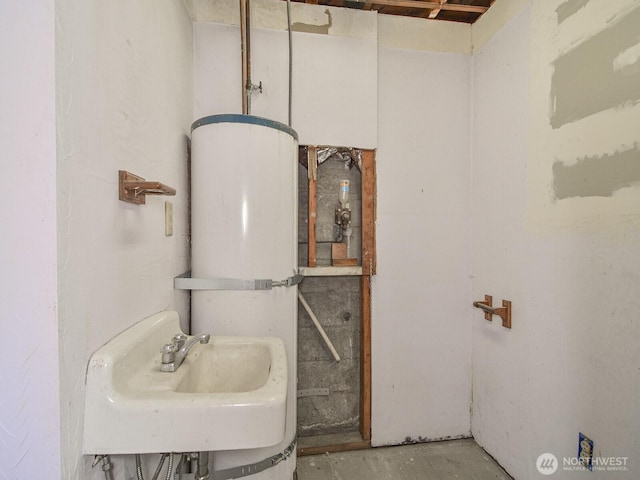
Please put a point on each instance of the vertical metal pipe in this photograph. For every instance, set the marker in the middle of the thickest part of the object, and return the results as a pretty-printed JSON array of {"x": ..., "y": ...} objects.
[
  {"x": 202, "y": 472},
  {"x": 243, "y": 41},
  {"x": 248, "y": 84},
  {"x": 107, "y": 468}
]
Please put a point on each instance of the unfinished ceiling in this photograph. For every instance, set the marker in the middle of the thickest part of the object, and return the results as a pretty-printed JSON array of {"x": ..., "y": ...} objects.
[{"x": 465, "y": 11}]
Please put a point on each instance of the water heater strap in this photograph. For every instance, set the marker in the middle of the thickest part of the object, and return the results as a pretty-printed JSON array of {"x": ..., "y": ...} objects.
[
  {"x": 186, "y": 282},
  {"x": 246, "y": 470}
]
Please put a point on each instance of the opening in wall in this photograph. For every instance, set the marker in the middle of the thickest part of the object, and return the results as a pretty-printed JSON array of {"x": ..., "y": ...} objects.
[{"x": 336, "y": 239}]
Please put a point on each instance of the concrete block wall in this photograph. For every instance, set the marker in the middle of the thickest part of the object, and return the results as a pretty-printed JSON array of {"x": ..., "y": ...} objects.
[{"x": 336, "y": 303}]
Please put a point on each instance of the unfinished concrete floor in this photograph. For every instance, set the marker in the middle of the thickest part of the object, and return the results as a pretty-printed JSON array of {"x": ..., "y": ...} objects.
[{"x": 454, "y": 459}]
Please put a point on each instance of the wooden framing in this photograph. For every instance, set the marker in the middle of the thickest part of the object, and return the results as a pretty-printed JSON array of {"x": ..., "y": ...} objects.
[
  {"x": 365, "y": 357},
  {"x": 368, "y": 183},
  {"x": 341, "y": 447},
  {"x": 418, "y": 4},
  {"x": 368, "y": 212},
  {"x": 368, "y": 194},
  {"x": 434, "y": 13},
  {"x": 452, "y": 7}
]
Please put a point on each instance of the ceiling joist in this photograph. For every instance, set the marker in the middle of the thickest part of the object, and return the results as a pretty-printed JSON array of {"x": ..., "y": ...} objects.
[
  {"x": 425, "y": 5},
  {"x": 467, "y": 11},
  {"x": 434, "y": 13}
]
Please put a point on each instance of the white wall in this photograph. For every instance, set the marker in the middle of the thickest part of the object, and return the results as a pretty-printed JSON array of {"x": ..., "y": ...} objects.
[
  {"x": 500, "y": 148},
  {"x": 124, "y": 101},
  {"x": 570, "y": 362},
  {"x": 334, "y": 78},
  {"x": 29, "y": 400},
  {"x": 420, "y": 320}
]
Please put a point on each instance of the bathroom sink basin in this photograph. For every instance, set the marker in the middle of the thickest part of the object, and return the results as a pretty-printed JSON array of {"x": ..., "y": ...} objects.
[
  {"x": 228, "y": 394},
  {"x": 227, "y": 365}
]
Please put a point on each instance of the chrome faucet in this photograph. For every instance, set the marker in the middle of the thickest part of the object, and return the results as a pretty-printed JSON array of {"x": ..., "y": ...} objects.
[{"x": 174, "y": 353}]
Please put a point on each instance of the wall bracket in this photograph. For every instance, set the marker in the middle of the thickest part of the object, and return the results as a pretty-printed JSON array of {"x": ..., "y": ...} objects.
[
  {"x": 503, "y": 312},
  {"x": 134, "y": 189}
]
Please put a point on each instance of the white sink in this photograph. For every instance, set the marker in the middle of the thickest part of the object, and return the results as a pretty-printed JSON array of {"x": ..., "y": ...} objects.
[{"x": 228, "y": 394}]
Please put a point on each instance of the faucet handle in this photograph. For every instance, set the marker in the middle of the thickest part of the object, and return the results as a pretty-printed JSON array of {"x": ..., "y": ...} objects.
[
  {"x": 179, "y": 339},
  {"x": 169, "y": 353}
]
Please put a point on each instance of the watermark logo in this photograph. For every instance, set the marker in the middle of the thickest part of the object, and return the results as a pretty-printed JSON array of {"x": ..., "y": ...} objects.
[
  {"x": 596, "y": 464},
  {"x": 547, "y": 464}
]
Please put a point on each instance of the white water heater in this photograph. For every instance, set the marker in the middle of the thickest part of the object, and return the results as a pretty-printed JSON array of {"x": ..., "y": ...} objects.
[{"x": 244, "y": 228}]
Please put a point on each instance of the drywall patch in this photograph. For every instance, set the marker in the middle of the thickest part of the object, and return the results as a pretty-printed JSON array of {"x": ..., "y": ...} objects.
[
  {"x": 586, "y": 80},
  {"x": 319, "y": 29},
  {"x": 569, "y": 8},
  {"x": 628, "y": 61},
  {"x": 597, "y": 176}
]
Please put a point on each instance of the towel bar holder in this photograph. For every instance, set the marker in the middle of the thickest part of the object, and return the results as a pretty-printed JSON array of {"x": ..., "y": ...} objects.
[
  {"x": 134, "y": 189},
  {"x": 489, "y": 310}
]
